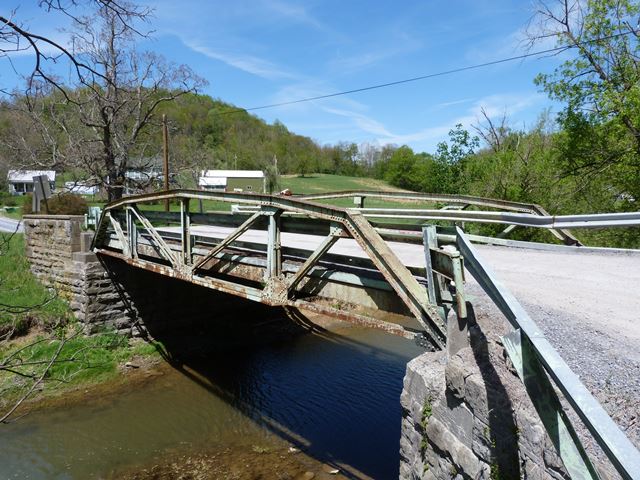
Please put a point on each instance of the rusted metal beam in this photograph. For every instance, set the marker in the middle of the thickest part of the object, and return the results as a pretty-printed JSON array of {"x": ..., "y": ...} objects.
[
  {"x": 426, "y": 197},
  {"x": 398, "y": 276},
  {"x": 334, "y": 235},
  {"x": 228, "y": 240},
  {"x": 354, "y": 318},
  {"x": 163, "y": 249}
]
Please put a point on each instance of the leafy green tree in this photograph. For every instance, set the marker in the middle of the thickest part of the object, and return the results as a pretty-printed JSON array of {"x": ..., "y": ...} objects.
[
  {"x": 448, "y": 164},
  {"x": 405, "y": 169},
  {"x": 600, "y": 87}
]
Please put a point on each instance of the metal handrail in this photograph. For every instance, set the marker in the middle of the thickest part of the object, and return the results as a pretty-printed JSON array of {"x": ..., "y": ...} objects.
[
  {"x": 427, "y": 197},
  {"x": 618, "y": 448},
  {"x": 549, "y": 222}
]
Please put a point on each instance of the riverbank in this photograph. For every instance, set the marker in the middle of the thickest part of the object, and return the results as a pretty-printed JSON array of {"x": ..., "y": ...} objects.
[
  {"x": 51, "y": 369},
  {"x": 45, "y": 358}
]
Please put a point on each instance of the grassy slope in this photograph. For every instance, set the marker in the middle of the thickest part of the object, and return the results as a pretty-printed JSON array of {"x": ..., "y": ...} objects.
[
  {"x": 19, "y": 288},
  {"x": 83, "y": 360},
  {"x": 319, "y": 183}
]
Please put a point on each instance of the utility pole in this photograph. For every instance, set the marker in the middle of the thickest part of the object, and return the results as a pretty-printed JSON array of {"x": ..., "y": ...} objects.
[{"x": 165, "y": 144}]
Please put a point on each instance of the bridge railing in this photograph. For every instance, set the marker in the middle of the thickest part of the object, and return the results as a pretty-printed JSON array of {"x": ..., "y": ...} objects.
[
  {"x": 536, "y": 360},
  {"x": 461, "y": 202}
]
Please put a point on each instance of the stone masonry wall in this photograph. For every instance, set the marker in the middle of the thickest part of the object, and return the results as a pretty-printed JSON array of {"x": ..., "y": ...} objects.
[
  {"x": 468, "y": 416},
  {"x": 60, "y": 257}
]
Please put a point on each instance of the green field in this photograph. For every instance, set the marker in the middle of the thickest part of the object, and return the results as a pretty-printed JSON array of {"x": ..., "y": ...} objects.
[
  {"x": 309, "y": 184},
  {"x": 320, "y": 183}
]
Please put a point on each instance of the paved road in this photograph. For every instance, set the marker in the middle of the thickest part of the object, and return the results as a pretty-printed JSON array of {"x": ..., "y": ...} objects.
[
  {"x": 9, "y": 225},
  {"x": 598, "y": 288}
]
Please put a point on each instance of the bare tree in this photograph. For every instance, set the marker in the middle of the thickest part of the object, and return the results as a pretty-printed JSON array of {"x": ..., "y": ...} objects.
[{"x": 104, "y": 121}]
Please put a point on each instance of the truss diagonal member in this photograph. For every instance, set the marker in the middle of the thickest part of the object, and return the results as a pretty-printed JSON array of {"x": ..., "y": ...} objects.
[
  {"x": 327, "y": 243},
  {"x": 230, "y": 238},
  {"x": 120, "y": 234},
  {"x": 163, "y": 248},
  {"x": 562, "y": 234},
  {"x": 398, "y": 276}
]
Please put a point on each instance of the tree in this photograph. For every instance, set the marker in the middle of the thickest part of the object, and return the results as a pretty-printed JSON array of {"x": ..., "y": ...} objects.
[
  {"x": 446, "y": 172},
  {"x": 15, "y": 37},
  {"x": 105, "y": 120},
  {"x": 600, "y": 84},
  {"x": 405, "y": 169}
]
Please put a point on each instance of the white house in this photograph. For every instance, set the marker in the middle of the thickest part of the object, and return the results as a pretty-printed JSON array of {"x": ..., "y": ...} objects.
[
  {"x": 232, "y": 180},
  {"x": 21, "y": 181},
  {"x": 81, "y": 188}
]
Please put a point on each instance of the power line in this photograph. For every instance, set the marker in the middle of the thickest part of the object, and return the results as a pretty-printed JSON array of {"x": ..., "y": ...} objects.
[{"x": 424, "y": 77}]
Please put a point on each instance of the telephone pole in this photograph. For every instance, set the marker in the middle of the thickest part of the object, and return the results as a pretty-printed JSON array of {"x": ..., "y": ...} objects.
[{"x": 165, "y": 144}]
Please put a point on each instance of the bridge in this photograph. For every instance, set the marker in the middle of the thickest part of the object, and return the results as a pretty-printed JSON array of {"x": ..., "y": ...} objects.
[{"x": 378, "y": 267}]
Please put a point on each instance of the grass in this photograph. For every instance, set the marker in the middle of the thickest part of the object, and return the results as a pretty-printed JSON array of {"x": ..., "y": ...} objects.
[
  {"x": 82, "y": 361},
  {"x": 320, "y": 183},
  {"x": 21, "y": 294},
  {"x": 312, "y": 183},
  {"x": 40, "y": 321}
]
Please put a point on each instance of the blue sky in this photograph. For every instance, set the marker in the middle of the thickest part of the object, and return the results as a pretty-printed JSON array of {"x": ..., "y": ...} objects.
[{"x": 267, "y": 51}]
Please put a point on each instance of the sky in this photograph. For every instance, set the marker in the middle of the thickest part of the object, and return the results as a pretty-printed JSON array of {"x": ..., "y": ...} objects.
[{"x": 260, "y": 52}]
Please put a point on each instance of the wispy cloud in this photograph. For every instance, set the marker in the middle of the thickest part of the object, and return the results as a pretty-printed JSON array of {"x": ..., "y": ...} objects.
[
  {"x": 296, "y": 13},
  {"x": 248, "y": 63},
  {"x": 493, "y": 105},
  {"x": 452, "y": 103}
]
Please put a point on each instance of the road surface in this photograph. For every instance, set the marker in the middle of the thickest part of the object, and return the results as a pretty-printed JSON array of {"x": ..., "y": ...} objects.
[
  {"x": 9, "y": 225},
  {"x": 598, "y": 288}
]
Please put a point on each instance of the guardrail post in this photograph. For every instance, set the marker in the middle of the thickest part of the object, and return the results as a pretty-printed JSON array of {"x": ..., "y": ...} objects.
[{"x": 547, "y": 404}]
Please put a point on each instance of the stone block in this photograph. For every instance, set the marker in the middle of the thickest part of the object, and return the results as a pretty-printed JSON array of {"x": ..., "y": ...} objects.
[{"x": 84, "y": 257}]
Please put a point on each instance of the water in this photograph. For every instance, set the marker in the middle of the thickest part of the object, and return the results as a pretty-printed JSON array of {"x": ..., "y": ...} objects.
[{"x": 335, "y": 395}]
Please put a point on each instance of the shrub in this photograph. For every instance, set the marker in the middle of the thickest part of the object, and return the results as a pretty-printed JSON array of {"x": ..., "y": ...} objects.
[
  {"x": 9, "y": 201},
  {"x": 26, "y": 204},
  {"x": 62, "y": 204}
]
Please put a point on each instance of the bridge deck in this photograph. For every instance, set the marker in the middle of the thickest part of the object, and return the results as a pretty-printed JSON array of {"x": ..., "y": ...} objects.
[{"x": 592, "y": 285}]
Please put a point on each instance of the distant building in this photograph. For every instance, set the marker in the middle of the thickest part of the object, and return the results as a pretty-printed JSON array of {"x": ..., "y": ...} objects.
[
  {"x": 232, "y": 180},
  {"x": 21, "y": 181},
  {"x": 81, "y": 188},
  {"x": 143, "y": 174}
]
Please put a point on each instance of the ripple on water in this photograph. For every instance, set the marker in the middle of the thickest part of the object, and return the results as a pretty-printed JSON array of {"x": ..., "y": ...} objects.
[{"x": 336, "y": 395}]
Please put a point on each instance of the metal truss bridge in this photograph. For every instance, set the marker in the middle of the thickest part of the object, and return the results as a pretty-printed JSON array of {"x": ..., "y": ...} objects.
[{"x": 378, "y": 267}]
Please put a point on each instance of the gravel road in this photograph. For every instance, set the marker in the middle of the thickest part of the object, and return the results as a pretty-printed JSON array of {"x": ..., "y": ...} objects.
[
  {"x": 588, "y": 305},
  {"x": 9, "y": 225}
]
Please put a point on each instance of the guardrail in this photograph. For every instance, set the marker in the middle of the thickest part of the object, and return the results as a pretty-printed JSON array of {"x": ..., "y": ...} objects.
[
  {"x": 549, "y": 222},
  {"x": 462, "y": 201},
  {"x": 535, "y": 358}
]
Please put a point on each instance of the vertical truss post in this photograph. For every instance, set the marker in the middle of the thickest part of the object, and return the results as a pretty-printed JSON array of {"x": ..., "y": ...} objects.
[
  {"x": 132, "y": 233},
  {"x": 274, "y": 254},
  {"x": 185, "y": 224}
]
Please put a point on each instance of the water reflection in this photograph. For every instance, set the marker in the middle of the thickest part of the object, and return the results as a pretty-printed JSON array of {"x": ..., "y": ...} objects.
[{"x": 334, "y": 394}]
